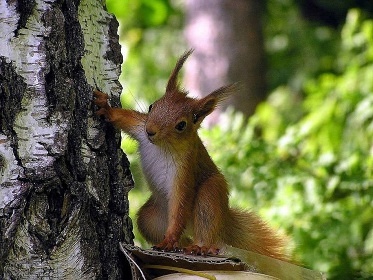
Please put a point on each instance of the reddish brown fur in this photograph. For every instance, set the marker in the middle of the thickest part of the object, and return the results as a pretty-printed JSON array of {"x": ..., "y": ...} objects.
[{"x": 193, "y": 193}]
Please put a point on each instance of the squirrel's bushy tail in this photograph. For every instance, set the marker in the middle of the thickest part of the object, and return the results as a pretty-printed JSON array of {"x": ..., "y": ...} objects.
[{"x": 248, "y": 231}]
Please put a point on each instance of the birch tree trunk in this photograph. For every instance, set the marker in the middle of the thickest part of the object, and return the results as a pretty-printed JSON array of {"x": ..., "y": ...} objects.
[
  {"x": 64, "y": 180},
  {"x": 228, "y": 42}
]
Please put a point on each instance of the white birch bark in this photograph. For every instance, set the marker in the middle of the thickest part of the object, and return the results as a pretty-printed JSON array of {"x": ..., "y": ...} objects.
[{"x": 62, "y": 190}]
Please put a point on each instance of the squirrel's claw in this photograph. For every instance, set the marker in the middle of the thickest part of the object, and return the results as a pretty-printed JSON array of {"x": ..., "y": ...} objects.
[{"x": 167, "y": 245}]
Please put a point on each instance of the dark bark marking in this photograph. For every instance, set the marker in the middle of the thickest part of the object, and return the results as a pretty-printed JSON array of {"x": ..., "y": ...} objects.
[
  {"x": 12, "y": 89},
  {"x": 74, "y": 36},
  {"x": 24, "y": 8},
  {"x": 58, "y": 79},
  {"x": 114, "y": 51}
]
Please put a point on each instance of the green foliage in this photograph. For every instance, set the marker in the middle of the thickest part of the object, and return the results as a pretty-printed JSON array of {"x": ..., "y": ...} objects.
[
  {"x": 307, "y": 166},
  {"x": 141, "y": 13},
  {"x": 296, "y": 49}
]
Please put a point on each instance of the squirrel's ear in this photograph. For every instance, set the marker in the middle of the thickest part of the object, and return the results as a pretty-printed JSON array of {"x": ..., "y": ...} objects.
[
  {"x": 206, "y": 105},
  {"x": 172, "y": 81}
]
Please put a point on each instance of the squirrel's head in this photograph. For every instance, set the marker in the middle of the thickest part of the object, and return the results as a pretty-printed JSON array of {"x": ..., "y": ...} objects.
[{"x": 175, "y": 118}]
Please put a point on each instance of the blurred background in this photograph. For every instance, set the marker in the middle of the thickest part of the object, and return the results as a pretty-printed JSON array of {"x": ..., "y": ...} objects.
[{"x": 296, "y": 141}]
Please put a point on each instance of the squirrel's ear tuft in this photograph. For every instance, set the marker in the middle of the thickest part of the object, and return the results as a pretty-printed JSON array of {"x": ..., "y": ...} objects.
[
  {"x": 206, "y": 105},
  {"x": 172, "y": 84}
]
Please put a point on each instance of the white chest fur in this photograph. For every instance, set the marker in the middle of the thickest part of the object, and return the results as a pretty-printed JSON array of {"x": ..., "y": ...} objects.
[{"x": 158, "y": 167}]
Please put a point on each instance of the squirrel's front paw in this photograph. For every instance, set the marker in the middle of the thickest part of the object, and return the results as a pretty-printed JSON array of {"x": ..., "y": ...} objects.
[{"x": 101, "y": 99}]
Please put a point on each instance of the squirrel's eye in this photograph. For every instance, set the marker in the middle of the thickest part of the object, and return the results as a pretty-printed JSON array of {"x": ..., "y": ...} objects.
[
  {"x": 150, "y": 107},
  {"x": 181, "y": 126}
]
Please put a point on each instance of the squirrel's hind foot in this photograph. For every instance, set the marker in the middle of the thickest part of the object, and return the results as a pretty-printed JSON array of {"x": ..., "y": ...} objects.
[
  {"x": 169, "y": 244},
  {"x": 202, "y": 251}
]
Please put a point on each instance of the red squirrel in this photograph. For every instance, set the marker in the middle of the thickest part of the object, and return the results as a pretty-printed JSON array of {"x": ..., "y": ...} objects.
[{"x": 189, "y": 193}]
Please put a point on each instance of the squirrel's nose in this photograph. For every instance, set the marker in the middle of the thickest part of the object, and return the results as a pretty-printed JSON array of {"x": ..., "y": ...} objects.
[{"x": 151, "y": 131}]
